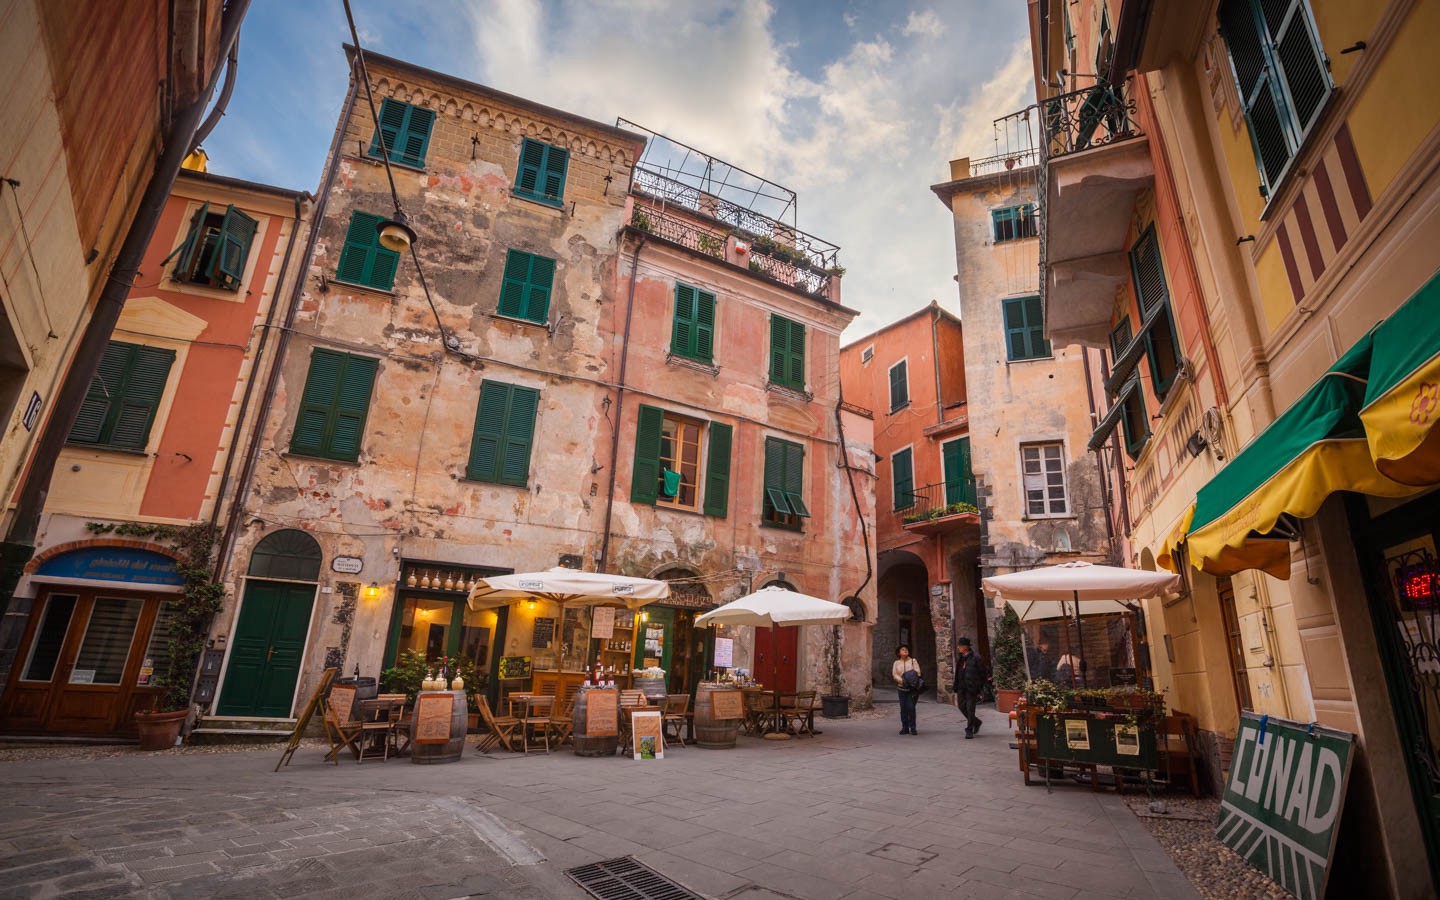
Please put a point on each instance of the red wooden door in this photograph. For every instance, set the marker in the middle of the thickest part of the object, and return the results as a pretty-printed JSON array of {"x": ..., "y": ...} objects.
[{"x": 775, "y": 657}]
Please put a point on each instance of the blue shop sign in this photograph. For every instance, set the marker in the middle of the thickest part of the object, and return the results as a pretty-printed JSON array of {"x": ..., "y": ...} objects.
[{"x": 125, "y": 564}]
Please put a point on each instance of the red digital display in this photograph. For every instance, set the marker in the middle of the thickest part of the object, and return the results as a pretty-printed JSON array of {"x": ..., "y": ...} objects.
[{"x": 1418, "y": 585}]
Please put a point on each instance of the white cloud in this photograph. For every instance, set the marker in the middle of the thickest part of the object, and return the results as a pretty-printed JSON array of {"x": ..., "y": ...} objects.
[{"x": 925, "y": 23}]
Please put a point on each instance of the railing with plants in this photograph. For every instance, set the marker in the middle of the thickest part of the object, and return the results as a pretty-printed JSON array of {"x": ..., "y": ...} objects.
[
  {"x": 1090, "y": 117},
  {"x": 680, "y": 230},
  {"x": 939, "y": 501}
]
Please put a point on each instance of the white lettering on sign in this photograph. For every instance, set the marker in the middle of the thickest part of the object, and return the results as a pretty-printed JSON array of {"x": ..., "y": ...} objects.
[
  {"x": 1293, "y": 784},
  {"x": 32, "y": 411},
  {"x": 624, "y": 589}
]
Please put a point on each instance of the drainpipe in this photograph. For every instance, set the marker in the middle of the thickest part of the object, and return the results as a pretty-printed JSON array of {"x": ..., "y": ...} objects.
[
  {"x": 267, "y": 397},
  {"x": 19, "y": 544},
  {"x": 836, "y": 630},
  {"x": 935, "y": 359},
  {"x": 604, "y": 561},
  {"x": 232, "y": 65}
]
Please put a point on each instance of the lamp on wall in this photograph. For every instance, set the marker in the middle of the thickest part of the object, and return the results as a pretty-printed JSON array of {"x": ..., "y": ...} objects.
[
  {"x": 372, "y": 592},
  {"x": 396, "y": 234}
]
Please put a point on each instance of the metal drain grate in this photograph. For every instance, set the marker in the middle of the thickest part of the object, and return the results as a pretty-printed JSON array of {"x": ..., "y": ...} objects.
[{"x": 624, "y": 878}]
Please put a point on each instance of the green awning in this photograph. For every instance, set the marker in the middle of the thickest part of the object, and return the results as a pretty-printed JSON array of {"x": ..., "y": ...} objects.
[{"x": 1402, "y": 398}]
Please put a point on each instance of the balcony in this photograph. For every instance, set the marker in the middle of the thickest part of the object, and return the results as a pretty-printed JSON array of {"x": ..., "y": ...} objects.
[
  {"x": 1096, "y": 162},
  {"x": 941, "y": 508}
]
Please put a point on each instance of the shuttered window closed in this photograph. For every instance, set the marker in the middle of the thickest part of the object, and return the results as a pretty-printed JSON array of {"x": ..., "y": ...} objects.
[
  {"x": 540, "y": 175},
  {"x": 362, "y": 260},
  {"x": 693, "y": 332},
  {"x": 120, "y": 406},
  {"x": 334, "y": 406},
  {"x": 405, "y": 128},
  {"x": 504, "y": 434},
  {"x": 787, "y": 353},
  {"x": 526, "y": 285}
]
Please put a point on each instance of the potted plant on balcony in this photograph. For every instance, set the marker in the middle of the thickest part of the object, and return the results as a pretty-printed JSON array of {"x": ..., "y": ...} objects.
[{"x": 1009, "y": 653}]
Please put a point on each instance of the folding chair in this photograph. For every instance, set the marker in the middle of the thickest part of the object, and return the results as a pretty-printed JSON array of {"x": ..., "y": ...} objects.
[
  {"x": 502, "y": 730},
  {"x": 562, "y": 722},
  {"x": 798, "y": 713},
  {"x": 672, "y": 720},
  {"x": 341, "y": 727}
]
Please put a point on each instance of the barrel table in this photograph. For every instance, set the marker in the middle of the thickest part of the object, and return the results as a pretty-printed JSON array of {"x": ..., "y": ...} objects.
[
  {"x": 712, "y": 733},
  {"x": 448, "y": 752},
  {"x": 587, "y": 744},
  {"x": 653, "y": 688}
]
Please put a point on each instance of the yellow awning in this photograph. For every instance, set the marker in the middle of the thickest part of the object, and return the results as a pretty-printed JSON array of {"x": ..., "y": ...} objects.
[
  {"x": 1402, "y": 396},
  {"x": 1171, "y": 545}
]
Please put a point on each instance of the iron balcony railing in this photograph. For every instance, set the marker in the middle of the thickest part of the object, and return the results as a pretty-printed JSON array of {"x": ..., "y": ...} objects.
[
  {"x": 937, "y": 501},
  {"x": 1090, "y": 117},
  {"x": 1004, "y": 162}
]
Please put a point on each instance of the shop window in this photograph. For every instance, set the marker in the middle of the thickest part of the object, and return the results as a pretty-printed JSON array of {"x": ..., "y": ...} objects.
[
  {"x": 693, "y": 332},
  {"x": 106, "y": 646},
  {"x": 902, "y": 478},
  {"x": 899, "y": 385},
  {"x": 362, "y": 260},
  {"x": 119, "y": 408},
  {"x": 334, "y": 405},
  {"x": 1025, "y": 329},
  {"x": 525, "y": 288},
  {"x": 157, "y": 651},
  {"x": 215, "y": 248},
  {"x": 787, "y": 353},
  {"x": 1043, "y": 474},
  {"x": 504, "y": 434},
  {"x": 667, "y": 469},
  {"x": 541, "y": 172},
  {"x": 50, "y": 637},
  {"x": 782, "y": 504},
  {"x": 1014, "y": 222},
  {"x": 405, "y": 129},
  {"x": 286, "y": 555}
]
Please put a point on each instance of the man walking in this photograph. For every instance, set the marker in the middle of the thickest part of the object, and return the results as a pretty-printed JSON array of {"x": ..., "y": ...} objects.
[{"x": 971, "y": 674}]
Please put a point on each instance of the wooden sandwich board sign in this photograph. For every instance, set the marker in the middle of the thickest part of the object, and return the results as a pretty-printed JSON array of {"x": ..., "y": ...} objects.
[
  {"x": 647, "y": 738},
  {"x": 602, "y": 712},
  {"x": 728, "y": 705},
  {"x": 1282, "y": 801},
  {"x": 304, "y": 721},
  {"x": 432, "y": 717}
]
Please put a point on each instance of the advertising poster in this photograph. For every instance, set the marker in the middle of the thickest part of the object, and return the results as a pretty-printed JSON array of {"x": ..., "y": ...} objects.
[
  {"x": 1077, "y": 734},
  {"x": 602, "y": 712},
  {"x": 646, "y": 736},
  {"x": 724, "y": 653},
  {"x": 602, "y": 625},
  {"x": 1127, "y": 740}
]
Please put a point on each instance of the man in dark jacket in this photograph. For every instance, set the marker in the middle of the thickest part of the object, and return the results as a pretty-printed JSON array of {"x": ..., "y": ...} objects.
[{"x": 971, "y": 674}]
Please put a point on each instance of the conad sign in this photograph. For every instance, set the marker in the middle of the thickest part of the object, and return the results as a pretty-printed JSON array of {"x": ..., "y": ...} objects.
[{"x": 1282, "y": 802}]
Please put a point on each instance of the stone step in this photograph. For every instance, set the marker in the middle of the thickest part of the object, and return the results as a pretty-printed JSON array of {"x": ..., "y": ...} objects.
[{"x": 219, "y": 730}]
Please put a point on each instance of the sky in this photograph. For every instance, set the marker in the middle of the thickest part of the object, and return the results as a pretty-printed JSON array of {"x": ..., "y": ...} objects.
[{"x": 857, "y": 106}]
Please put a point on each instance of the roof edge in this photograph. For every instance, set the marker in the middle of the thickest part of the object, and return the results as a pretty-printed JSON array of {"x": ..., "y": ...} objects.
[
  {"x": 229, "y": 181},
  {"x": 931, "y": 307}
]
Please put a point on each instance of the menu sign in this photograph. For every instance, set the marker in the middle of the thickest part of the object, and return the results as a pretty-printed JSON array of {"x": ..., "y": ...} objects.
[
  {"x": 724, "y": 652},
  {"x": 646, "y": 737},
  {"x": 432, "y": 718},
  {"x": 514, "y": 667},
  {"x": 543, "y": 633},
  {"x": 728, "y": 704},
  {"x": 602, "y": 713},
  {"x": 602, "y": 623}
]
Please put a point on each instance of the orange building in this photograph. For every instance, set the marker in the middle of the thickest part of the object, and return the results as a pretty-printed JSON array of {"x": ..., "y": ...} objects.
[{"x": 154, "y": 449}]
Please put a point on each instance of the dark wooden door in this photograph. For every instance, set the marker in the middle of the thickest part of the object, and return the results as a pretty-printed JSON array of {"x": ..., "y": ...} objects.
[
  {"x": 775, "y": 650},
  {"x": 266, "y": 649}
]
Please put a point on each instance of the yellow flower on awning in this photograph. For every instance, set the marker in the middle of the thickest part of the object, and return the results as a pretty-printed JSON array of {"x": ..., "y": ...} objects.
[{"x": 1402, "y": 396}]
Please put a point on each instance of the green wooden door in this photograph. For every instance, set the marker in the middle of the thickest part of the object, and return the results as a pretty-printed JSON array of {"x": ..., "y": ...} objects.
[
  {"x": 266, "y": 649},
  {"x": 959, "y": 481}
]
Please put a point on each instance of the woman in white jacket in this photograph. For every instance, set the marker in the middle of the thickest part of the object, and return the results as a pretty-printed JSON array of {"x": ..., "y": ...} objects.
[{"x": 904, "y": 663}]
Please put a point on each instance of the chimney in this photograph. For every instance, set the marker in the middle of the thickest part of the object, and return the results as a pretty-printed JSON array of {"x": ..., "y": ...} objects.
[{"x": 959, "y": 168}]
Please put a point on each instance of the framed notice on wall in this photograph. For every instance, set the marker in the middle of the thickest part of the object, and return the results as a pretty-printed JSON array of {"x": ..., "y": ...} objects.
[
  {"x": 602, "y": 713},
  {"x": 724, "y": 652},
  {"x": 647, "y": 738},
  {"x": 432, "y": 718},
  {"x": 602, "y": 625}
]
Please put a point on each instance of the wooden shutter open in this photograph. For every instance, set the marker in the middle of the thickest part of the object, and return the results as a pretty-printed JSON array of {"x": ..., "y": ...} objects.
[
  {"x": 519, "y": 436},
  {"x": 194, "y": 241},
  {"x": 227, "y": 267},
  {"x": 645, "y": 476},
  {"x": 795, "y": 479},
  {"x": 717, "y": 470}
]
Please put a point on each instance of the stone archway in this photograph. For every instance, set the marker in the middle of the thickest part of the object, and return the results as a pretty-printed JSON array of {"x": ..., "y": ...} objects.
[{"x": 902, "y": 616}]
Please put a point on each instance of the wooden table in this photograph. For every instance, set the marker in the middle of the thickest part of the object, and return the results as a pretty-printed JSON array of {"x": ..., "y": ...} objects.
[{"x": 533, "y": 711}]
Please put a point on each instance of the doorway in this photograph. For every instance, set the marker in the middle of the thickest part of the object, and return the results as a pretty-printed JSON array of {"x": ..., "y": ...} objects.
[
  {"x": 903, "y": 617},
  {"x": 775, "y": 652}
]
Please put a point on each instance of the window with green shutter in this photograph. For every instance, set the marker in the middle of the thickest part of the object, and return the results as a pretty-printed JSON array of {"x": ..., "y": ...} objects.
[
  {"x": 783, "y": 504},
  {"x": 504, "y": 434},
  {"x": 1012, "y": 223},
  {"x": 1132, "y": 418},
  {"x": 540, "y": 175},
  {"x": 1162, "y": 345},
  {"x": 215, "y": 248},
  {"x": 363, "y": 261},
  {"x": 120, "y": 405},
  {"x": 1025, "y": 329},
  {"x": 405, "y": 129},
  {"x": 525, "y": 288},
  {"x": 902, "y": 478},
  {"x": 1282, "y": 75},
  {"x": 787, "y": 352},
  {"x": 667, "y": 470},
  {"x": 959, "y": 473},
  {"x": 334, "y": 405},
  {"x": 693, "y": 334},
  {"x": 899, "y": 385}
]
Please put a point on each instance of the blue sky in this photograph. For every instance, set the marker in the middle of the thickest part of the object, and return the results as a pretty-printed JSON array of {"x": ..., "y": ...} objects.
[{"x": 857, "y": 106}]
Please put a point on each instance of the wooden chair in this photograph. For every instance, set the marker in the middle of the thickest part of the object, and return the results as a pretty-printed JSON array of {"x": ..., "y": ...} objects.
[
  {"x": 536, "y": 719},
  {"x": 760, "y": 712},
  {"x": 562, "y": 722},
  {"x": 1179, "y": 749},
  {"x": 341, "y": 727},
  {"x": 378, "y": 721},
  {"x": 500, "y": 730},
  {"x": 797, "y": 712},
  {"x": 629, "y": 700},
  {"x": 672, "y": 719}
]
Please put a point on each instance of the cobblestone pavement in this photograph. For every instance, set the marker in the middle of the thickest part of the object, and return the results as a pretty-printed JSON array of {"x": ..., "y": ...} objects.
[{"x": 858, "y": 812}]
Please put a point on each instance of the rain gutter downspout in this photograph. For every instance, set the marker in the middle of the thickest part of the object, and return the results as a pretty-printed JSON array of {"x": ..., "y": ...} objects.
[
  {"x": 1113, "y": 557},
  {"x": 267, "y": 398},
  {"x": 232, "y": 64},
  {"x": 603, "y": 562}
]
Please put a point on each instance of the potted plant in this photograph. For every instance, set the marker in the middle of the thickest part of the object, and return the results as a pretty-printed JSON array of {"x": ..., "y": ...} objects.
[
  {"x": 834, "y": 705},
  {"x": 1009, "y": 652},
  {"x": 410, "y": 670}
]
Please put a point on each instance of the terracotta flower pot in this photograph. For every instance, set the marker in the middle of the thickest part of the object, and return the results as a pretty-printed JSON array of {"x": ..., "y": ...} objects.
[
  {"x": 159, "y": 731},
  {"x": 1005, "y": 699}
]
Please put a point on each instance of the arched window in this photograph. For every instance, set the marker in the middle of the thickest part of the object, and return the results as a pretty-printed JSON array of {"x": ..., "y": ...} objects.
[{"x": 291, "y": 555}]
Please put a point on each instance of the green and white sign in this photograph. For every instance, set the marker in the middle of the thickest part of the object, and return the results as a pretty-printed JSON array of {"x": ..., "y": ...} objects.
[{"x": 1282, "y": 801}]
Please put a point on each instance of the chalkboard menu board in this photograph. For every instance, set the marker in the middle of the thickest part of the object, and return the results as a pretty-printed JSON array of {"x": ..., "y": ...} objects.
[
  {"x": 544, "y": 632},
  {"x": 514, "y": 667}
]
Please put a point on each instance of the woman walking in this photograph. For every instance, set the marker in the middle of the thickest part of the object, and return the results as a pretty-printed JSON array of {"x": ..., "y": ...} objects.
[{"x": 908, "y": 680}]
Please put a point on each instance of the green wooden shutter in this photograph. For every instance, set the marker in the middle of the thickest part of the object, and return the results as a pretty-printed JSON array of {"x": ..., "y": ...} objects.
[
  {"x": 227, "y": 266},
  {"x": 133, "y": 415},
  {"x": 958, "y": 474},
  {"x": 797, "y": 356},
  {"x": 1301, "y": 59},
  {"x": 1035, "y": 321},
  {"x": 902, "y": 479},
  {"x": 393, "y": 117},
  {"x": 526, "y": 285},
  {"x": 1149, "y": 273},
  {"x": 1015, "y": 337},
  {"x": 322, "y": 383},
  {"x": 704, "y": 325},
  {"x": 352, "y": 405},
  {"x": 104, "y": 390},
  {"x": 717, "y": 470},
  {"x": 557, "y": 160},
  {"x": 192, "y": 244},
  {"x": 363, "y": 261},
  {"x": 682, "y": 334},
  {"x": 645, "y": 477},
  {"x": 541, "y": 279},
  {"x": 513, "y": 284},
  {"x": 416, "y": 138},
  {"x": 795, "y": 479},
  {"x": 779, "y": 347},
  {"x": 519, "y": 436},
  {"x": 489, "y": 435},
  {"x": 775, "y": 476},
  {"x": 899, "y": 385},
  {"x": 529, "y": 175}
]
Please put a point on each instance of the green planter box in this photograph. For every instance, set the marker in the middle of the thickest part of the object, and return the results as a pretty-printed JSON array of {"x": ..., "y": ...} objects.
[{"x": 1079, "y": 737}]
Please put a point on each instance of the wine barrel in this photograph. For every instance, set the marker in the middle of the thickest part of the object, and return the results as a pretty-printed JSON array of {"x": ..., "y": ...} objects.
[
  {"x": 712, "y": 733},
  {"x": 586, "y": 744},
  {"x": 653, "y": 688},
  {"x": 448, "y": 752}
]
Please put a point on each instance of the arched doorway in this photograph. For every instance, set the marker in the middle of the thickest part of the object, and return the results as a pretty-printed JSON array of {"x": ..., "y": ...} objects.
[
  {"x": 687, "y": 652},
  {"x": 902, "y": 617},
  {"x": 267, "y": 642}
]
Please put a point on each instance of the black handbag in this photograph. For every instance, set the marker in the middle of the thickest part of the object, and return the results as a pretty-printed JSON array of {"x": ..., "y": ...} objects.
[{"x": 912, "y": 681}]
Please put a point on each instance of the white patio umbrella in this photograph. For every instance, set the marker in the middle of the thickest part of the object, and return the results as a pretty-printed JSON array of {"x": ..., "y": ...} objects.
[{"x": 1053, "y": 591}]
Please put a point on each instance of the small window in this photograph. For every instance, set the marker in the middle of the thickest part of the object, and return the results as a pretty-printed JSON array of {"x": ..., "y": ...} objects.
[
  {"x": 784, "y": 483},
  {"x": 693, "y": 331},
  {"x": 540, "y": 175},
  {"x": 525, "y": 288},
  {"x": 899, "y": 385},
  {"x": 504, "y": 434},
  {"x": 215, "y": 248},
  {"x": 867, "y": 354},
  {"x": 120, "y": 406},
  {"x": 669, "y": 450},
  {"x": 406, "y": 130},
  {"x": 1043, "y": 472},
  {"x": 679, "y": 481},
  {"x": 787, "y": 353},
  {"x": 334, "y": 406},
  {"x": 1025, "y": 329},
  {"x": 362, "y": 260},
  {"x": 1011, "y": 223},
  {"x": 902, "y": 478}
]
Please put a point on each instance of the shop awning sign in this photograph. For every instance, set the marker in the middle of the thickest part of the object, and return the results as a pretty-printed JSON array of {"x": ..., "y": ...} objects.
[
  {"x": 1282, "y": 802},
  {"x": 130, "y": 565}
]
